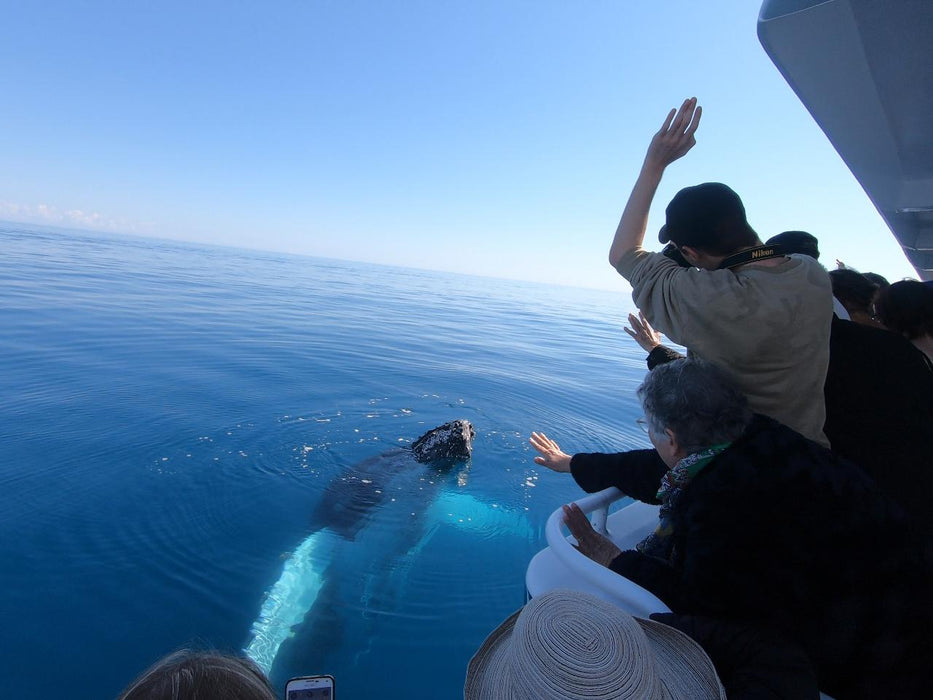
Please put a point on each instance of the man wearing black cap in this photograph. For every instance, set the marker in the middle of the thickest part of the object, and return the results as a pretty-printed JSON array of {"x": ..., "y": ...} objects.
[{"x": 762, "y": 317}]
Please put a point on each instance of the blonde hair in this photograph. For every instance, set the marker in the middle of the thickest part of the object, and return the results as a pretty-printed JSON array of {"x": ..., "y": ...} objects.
[{"x": 200, "y": 675}]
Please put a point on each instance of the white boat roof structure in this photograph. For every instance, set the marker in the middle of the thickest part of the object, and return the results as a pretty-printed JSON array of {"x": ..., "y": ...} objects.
[{"x": 864, "y": 71}]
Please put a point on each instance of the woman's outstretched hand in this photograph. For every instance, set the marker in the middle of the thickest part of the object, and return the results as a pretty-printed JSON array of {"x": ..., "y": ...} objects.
[
  {"x": 589, "y": 542},
  {"x": 646, "y": 336},
  {"x": 551, "y": 455}
]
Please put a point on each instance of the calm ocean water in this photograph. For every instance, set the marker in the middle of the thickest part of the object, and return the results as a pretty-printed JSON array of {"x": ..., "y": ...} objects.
[{"x": 171, "y": 415}]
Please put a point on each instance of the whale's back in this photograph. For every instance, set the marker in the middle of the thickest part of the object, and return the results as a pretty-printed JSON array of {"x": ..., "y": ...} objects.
[{"x": 350, "y": 497}]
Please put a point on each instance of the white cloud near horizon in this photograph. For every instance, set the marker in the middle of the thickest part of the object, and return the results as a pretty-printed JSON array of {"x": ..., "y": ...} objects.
[{"x": 50, "y": 214}]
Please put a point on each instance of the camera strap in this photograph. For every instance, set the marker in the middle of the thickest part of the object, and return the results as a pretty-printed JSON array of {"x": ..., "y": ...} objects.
[{"x": 762, "y": 252}]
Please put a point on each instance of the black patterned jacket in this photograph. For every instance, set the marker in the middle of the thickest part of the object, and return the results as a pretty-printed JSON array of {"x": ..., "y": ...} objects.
[{"x": 779, "y": 533}]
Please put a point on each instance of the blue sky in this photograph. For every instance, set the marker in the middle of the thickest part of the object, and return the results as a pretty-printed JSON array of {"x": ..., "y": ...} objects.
[{"x": 496, "y": 138}]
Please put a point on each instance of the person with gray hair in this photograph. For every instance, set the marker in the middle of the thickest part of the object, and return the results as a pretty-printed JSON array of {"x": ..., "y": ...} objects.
[
  {"x": 765, "y": 528},
  {"x": 697, "y": 402}
]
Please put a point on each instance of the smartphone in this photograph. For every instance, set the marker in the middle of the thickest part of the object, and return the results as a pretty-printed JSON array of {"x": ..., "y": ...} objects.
[{"x": 310, "y": 688}]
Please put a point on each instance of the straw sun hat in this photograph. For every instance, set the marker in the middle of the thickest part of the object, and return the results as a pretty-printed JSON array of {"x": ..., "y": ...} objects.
[{"x": 568, "y": 644}]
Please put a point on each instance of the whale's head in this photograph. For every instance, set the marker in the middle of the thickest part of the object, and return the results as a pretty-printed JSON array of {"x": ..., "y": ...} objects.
[{"x": 450, "y": 442}]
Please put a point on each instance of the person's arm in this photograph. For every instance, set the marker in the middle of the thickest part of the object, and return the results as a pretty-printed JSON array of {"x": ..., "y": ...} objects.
[
  {"x": 637, "y": 473},
  {"x": 646, "y": 336},
  {"x": 650, "y": 573},
  {"x": 549, "y": 453},
  {"x": 650, "y": 341},
  {"x": 590, "y": 543},
  {"x": 661, "y": 355},
  {"x": 673, "y": 141}
]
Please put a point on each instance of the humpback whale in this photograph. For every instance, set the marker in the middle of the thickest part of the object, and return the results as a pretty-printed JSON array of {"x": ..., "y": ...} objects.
[
  {"x": 351, "y": 497},
  {"x": 341, "y": 551}
]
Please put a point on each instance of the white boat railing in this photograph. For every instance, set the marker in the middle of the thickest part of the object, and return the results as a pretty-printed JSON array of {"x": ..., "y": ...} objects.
[
  {"x": 596, "y": 505},
  {"x": 561, "y": 565}
]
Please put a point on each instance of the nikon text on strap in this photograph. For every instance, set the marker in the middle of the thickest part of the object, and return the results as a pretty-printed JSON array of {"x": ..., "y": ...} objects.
[{"x": 762, "y": 252}]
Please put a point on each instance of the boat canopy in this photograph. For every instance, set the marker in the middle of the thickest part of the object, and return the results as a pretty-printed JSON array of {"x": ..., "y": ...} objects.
[{"x": 864, "y": 70}]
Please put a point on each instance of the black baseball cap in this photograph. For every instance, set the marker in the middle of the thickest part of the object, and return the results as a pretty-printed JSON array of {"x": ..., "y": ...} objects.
[
  {"x": 709, "y": 216},
  {"x": 797, "y": 242}
]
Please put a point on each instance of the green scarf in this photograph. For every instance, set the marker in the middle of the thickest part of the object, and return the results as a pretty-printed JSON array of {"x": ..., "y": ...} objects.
[{"x": 659, "y": 543}]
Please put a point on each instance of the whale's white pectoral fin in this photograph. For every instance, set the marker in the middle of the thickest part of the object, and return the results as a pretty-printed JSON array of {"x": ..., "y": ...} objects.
[
  {"x": 290, "y": 598},
  {"x": 467, "y": 513}
]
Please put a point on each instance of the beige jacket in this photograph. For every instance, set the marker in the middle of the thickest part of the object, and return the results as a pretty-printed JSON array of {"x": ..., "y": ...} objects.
[{"x": 767, "y": 327}]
